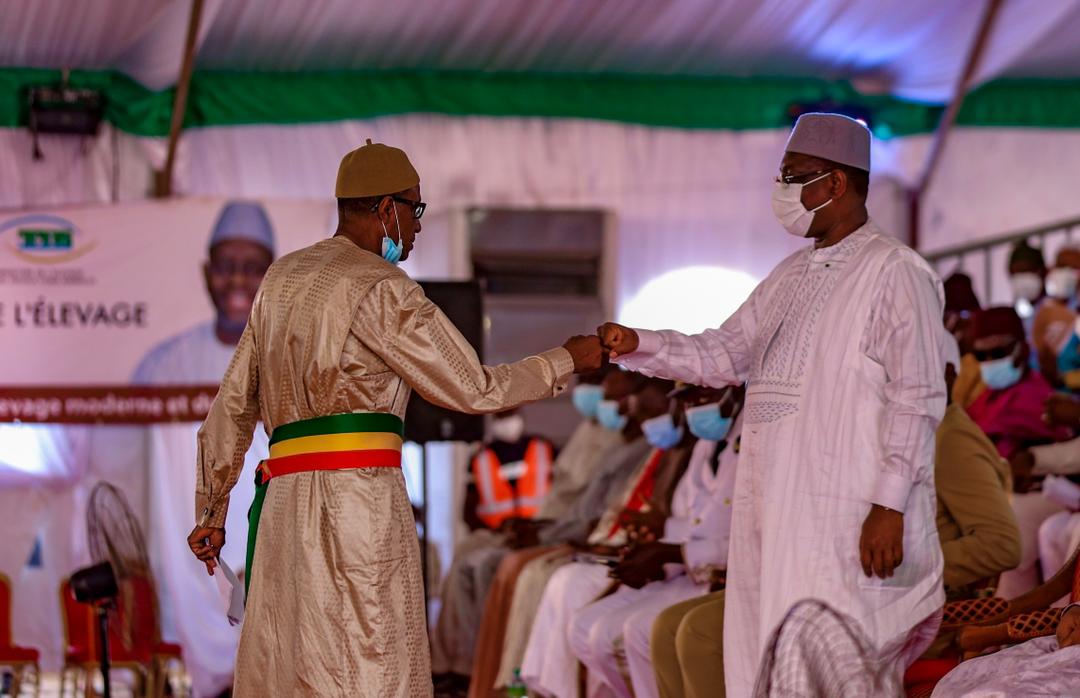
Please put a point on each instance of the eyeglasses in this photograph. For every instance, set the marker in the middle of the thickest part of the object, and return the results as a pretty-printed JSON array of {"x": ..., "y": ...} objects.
[
  {"x": 800, "y": 178},
  {"x": 418, "y": 207},
  {"x": 994, "y": 354}
]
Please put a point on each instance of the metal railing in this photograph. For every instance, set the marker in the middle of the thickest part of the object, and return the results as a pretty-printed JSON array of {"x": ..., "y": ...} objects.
[{"x": 996, "y": 248}]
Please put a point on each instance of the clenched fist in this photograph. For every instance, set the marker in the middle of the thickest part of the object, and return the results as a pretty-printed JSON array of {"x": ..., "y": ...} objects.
[
  {"x": 586, "y": 352},
  {"x": 617, "y": 340},
  {"x": 206, "y": 544}
]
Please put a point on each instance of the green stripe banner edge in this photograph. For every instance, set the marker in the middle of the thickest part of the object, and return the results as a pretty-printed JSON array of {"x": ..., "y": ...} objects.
[
  {"x": 231, "y": 98},
  {"x": 366, "y": 422}
]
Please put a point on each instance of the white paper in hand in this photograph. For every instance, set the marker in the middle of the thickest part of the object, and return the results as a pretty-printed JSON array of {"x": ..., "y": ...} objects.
[
  {"x": 1062, "y": 491},
  {"x": 236, "y": 597}
]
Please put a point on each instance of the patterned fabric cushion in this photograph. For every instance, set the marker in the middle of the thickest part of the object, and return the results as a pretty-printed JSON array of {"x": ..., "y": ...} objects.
[
  {"x": 959, "y": 613},
  {"x": 1035, "y": 624}
]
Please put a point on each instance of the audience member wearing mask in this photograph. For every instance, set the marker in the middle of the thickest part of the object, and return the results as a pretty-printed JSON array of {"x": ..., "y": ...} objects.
[
  {"x": 511, "y": 473},
  {"x": 549, "y": 666},
  {"x": 1010, "y": 413},
  {"x": 685, "y": 563},
  {"x": 1027, "y": 277},
  {"x": 979, "y": 536},
  {"x": 686, "y": 640},
  {"x": 961, "y": 304},
  {"x": 478, "y": 556},
  {"x": 976, "y": 524},
  {"x": 574, "y": 466},
  {"x": 1056, "y": 316},
  {"x": 1010, "y": 410},
  {"x": 635, "y": 468}
]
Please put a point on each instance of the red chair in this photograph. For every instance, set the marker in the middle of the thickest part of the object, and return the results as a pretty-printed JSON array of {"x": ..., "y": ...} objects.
[
  {"x": 162, "y": 654},
  {"x": 81, "y": 649},
  {"x": 19, "y": 659}
]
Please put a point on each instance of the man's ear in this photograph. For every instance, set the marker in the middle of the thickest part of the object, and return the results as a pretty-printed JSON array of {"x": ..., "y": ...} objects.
[
  {"x": 839, "y": 183},
  {"x": 383, "y": 209}
]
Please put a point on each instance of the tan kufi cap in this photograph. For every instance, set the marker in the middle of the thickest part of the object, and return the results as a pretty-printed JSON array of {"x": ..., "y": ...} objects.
[
  {"x": 833, "y": 137},
  {"x": 374, "y": 170}
]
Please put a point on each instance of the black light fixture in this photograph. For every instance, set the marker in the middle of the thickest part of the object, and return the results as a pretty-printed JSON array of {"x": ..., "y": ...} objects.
[
  {"x": 64, "y": 109},
  {"x": 96, "y": 585}
]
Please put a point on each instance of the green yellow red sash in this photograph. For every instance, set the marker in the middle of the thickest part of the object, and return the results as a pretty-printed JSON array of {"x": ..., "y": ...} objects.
[{"x": 334, "y": 442}]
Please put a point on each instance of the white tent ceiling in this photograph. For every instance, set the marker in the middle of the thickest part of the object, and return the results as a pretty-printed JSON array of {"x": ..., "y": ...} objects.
[{"x": 911, "y": 48}]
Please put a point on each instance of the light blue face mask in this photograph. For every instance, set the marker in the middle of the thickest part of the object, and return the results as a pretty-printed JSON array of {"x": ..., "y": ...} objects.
[
  {"x": 706, "y": 422},
  {"x": 586, "y": 398},
  {"x": 661, "y": 432},
  {"x": 392, "y": 251},
  {"x": 1001, "y": 373},
  {"x": 607, "y": 413}
]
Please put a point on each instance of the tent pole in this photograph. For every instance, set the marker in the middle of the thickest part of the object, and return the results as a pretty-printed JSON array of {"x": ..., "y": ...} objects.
[
  {"x": 163, "y": 178},
  {"x": 948, "y": 118}
]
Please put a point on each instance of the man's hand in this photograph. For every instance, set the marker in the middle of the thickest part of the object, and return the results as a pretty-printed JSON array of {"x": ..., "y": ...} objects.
[
  {"x": 523, "y": 533},
  {"x": 881, "y": 546},
  {"x": 644, "y": 527},
  {"x": 206, "y": 544},
  {"x": 644, "y": 563},
  {"x": 617, "y": 340},
  {"x": 1068, "y": 631},
  {"x": 1022, "y": 462},
  {"x": 1062, "y": 410},
  {"x": 587, "y": 353}
]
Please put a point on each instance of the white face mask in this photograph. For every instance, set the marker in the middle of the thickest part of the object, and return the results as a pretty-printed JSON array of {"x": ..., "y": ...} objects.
[
  {"x": 508, "y": 429},
  {"x": 1061, "y": 283},
  {"x": 1026, "y": 285},
  {"x": 788, "y": 207}
]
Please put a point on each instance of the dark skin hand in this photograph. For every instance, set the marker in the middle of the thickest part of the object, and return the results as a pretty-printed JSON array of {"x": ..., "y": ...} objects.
[
  {"x": 881, "y": 545},
  {"x": 644, "y": 527},
  {"x": 586, "y": 351},
  {"x": 1022, "y": 462},
  {"x": 523, "y": 533},
  {"x": 1062, "y": 411},
  {"x": 207, "y": 552},
  {"x": 644, "y": 563},
  {"x": 1068, "y": 631}
]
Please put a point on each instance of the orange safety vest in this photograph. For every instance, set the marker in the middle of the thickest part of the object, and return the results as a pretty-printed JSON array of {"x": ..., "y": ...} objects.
[{"x": 497, "y": 500}]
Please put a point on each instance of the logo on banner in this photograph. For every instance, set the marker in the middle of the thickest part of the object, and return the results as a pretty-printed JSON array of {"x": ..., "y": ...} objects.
[{"x": 45, "y": 239}]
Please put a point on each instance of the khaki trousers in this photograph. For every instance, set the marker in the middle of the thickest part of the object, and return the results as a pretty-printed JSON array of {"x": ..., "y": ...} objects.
[{"x": 687, "y": 648}]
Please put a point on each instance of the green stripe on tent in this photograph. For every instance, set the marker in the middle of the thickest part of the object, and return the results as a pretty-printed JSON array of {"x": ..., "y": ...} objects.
[
  {"x": 238, "y": 98},
  {"x": 340, "y": 424}
]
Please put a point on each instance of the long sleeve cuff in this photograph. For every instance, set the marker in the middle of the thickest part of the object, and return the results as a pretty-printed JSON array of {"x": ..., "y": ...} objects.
[
  {"x": 649, "y": 343},
  {"x": 1057, "y": 459},
  {"x": 891, "y": 491},
  {"x": 210, "y": 514},
  {"x": 562, "y": 364},
  {"x": 704, "y": 553}
]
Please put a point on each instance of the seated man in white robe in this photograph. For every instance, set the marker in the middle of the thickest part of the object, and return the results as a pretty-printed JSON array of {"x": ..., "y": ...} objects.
[
  {"x": 684, "y": 564},
  {"x": 699, "y": 521},
  {"x": 1045, "y": 666}
]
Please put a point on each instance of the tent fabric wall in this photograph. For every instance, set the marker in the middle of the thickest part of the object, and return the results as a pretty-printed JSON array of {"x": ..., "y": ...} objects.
[
  {"x": 679, "y": 195},
  {"x": 909, "y": 48}
]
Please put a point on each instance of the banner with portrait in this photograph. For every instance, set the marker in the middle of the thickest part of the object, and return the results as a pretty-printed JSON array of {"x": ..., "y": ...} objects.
[{"x": 129, "y": 313}]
